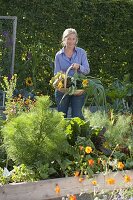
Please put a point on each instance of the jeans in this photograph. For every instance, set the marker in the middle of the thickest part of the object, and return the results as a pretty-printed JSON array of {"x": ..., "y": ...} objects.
[{"x": 75, "y": 102}]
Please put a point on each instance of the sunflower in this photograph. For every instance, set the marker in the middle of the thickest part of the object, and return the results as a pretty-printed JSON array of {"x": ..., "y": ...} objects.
[
  {"x": 60, "y": 85},
  {"x": 28, "y": 81},
  {"x": 85, "y": 82}
]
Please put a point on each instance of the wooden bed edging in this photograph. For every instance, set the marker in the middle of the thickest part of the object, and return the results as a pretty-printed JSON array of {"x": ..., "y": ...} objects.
[{"x": 42, "y": 190}]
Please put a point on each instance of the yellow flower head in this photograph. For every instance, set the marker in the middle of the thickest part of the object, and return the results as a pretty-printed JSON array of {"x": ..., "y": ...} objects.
[
  {"x": 127, "y": 178},
  {"x": 60, "y": 85},
  {"x": 88, "y": 149},
  {"x": 120, "y": 165},
  {"x": 94, "y": 182},
  {"x": 85, "y": 83},
  {"x": 28, "y": 81},
  {"x": 111, "y": 181}
]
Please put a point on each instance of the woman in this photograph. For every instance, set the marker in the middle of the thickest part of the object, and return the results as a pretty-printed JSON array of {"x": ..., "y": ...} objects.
[{"x": 71, "y": 55}]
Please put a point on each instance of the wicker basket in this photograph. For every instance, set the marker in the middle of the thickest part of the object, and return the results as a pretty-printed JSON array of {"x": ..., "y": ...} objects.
[{"x": 65, "y": 89}]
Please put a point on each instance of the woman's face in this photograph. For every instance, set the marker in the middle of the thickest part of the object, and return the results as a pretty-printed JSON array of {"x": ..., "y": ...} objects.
[{"x": 70, "y": 41}]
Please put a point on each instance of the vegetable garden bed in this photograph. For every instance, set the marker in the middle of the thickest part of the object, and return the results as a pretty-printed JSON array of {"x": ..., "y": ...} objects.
[{"x": 45, "y": 189}]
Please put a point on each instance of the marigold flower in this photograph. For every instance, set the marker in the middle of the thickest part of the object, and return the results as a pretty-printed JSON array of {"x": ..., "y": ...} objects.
[
  {"x": 85, "y": 83},
  {"x": 111, "y": 181},
  {"x": 94, "y": 182},
  {"x": 57, "y": 189},
  {"x": 81, "y": 179},
  {"x": 127, "y": 178},
  {"x": 72, "y": 197},
  {"x": 76, "y": 173},
  {"x": 91, "y": 162},
  {"x": 88, "y": 149},
  {"x": 28, "y": 81},
  {"x": 120, "y": 165}
]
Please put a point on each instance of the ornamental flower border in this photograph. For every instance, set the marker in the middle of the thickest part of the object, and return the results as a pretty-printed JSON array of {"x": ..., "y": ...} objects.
[{"x": 46, "y": 189}]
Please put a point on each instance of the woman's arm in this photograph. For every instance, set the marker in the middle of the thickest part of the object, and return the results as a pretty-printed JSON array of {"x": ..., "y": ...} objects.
[{"x": 57, "y": 67}]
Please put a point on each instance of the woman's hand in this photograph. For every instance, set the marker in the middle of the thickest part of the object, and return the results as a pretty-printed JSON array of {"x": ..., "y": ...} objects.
[{"x": 75, "y": 66}]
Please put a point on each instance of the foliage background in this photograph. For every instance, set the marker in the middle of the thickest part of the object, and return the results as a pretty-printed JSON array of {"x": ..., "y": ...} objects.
[{"x": 105, "y": 31}]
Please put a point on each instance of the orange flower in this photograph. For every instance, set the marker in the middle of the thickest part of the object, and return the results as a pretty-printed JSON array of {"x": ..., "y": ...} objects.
[
  {"x": 111, "y": 181},
  {"x": 81, "y": 179},
  {"x": 94, "y": 182},
  {"x": 76, "y": 173},
  {"x": 57, "y": 189},
  {"x": 88, "y": 149},
  {"x": 99, "y": 160},
  {"x": 91, "y": 162},
  {"x": 72, "y": 197},
  {"x": 81, "y": 148},
  {"x": 120, "y": 165},
  {"x": 127, "y": 178}
]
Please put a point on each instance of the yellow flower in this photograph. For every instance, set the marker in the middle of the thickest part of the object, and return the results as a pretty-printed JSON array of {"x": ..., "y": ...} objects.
[
  {"x": 120, "y": 165},
  {"x": 27, "y": 101},
  {"x": 28, "y": 81},
  {"x": 111, "y": 181},
  {"x": 88, "y": 149},
  {"x": 85, "y": 83},
  {"x": 94, "y": 182},
  {"x": 127, "y": 178},
  {"x": 60, "y": 85}
]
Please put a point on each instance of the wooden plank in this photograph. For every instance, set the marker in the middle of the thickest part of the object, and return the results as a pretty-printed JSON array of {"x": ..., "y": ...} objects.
[{"x": 42, "y": 190}]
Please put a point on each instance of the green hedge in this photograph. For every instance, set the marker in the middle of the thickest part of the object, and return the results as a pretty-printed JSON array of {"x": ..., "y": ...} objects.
[{"x": 104, "y": 28}]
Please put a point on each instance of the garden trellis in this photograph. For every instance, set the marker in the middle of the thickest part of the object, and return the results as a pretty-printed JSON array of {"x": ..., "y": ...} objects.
[{"x": 8, "y": 26}]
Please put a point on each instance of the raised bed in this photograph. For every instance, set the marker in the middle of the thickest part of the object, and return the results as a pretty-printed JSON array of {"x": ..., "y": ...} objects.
[{"x": 45, "y": 189}]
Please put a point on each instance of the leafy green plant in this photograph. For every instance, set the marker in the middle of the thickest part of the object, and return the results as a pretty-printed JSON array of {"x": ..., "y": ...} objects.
[
  {"x": 120, "y": 95},
  {"x": 22, "y": 173},
  {"x": 119, "y": 132},
  {"x": 18, "y": 174},
  {"x": 9, "y": 85},
  {"x": 37, "y": 136}
]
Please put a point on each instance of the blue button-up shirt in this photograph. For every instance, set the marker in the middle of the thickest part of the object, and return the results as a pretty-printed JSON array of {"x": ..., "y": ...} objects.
[{"x": 62, "y": 62}]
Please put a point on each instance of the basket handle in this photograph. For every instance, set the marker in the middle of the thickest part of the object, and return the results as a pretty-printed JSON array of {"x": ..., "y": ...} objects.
[{"x": 66, "y": 75}]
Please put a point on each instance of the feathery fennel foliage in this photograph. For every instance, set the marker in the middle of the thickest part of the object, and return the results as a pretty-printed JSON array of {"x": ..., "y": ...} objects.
[{"x": 37, "y": 136}]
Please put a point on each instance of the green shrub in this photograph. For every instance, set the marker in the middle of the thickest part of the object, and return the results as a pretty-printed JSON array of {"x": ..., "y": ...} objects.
[
  {"x": 119, "y": 129},
  {"x": 37, "y": 136}
]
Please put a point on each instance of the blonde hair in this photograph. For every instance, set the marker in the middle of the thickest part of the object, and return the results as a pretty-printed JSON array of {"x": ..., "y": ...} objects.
[{"x": 66, "y": 33}]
